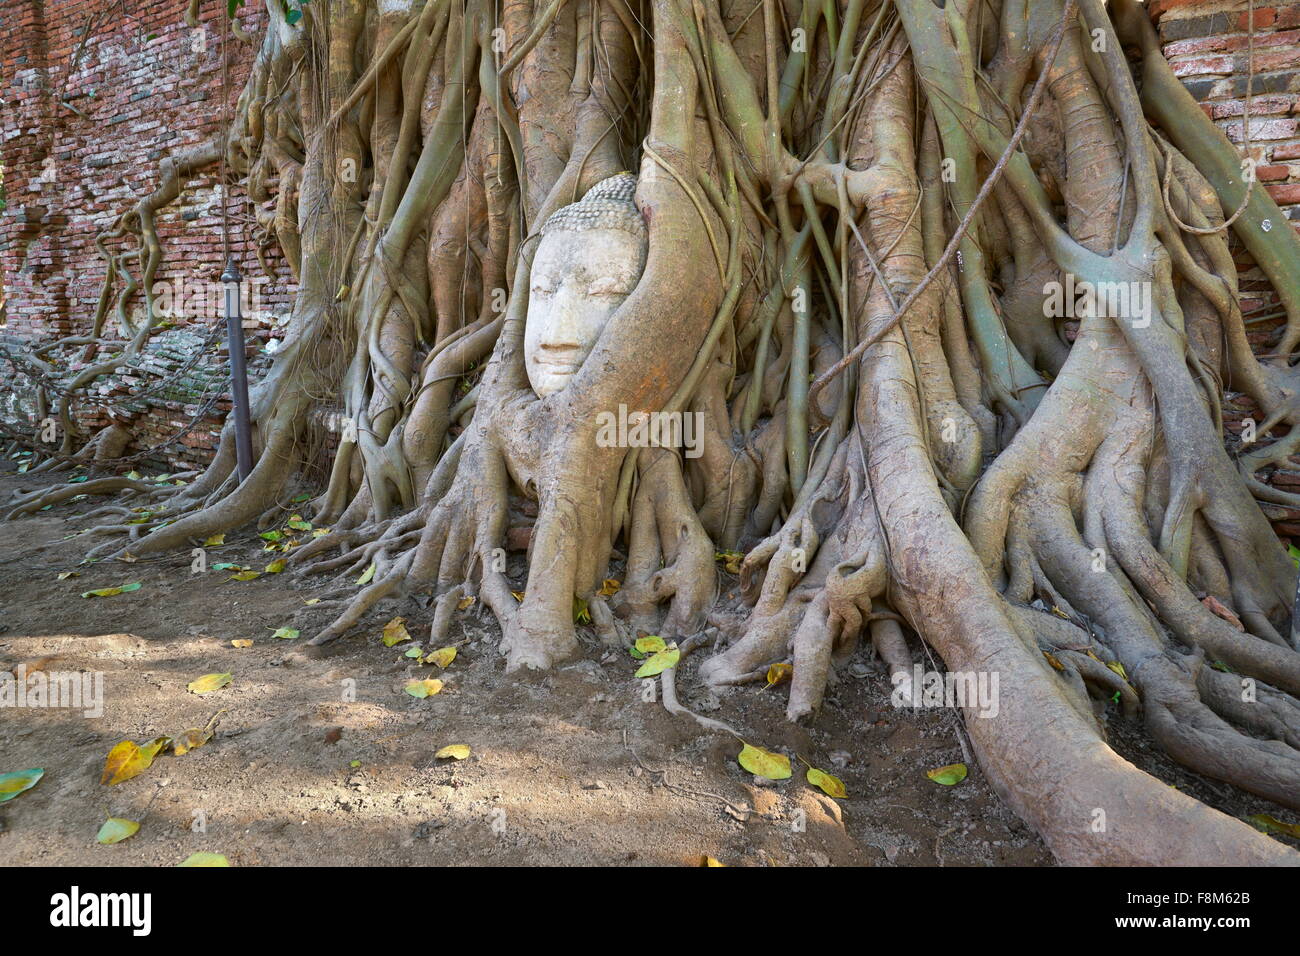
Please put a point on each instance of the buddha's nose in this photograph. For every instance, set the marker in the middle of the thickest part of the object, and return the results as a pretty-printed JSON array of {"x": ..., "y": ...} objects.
[{"x": 567, "y": 323}]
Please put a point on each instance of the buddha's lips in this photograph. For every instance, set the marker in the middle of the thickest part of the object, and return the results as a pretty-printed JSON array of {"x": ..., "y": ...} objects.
[{"x": 551, "y": 363}]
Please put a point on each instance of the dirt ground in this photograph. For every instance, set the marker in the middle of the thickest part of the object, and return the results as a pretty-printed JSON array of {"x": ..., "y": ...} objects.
[{"x": 570, "y": 767}]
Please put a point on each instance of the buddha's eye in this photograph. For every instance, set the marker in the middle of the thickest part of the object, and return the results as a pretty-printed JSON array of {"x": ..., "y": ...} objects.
[
  {"x": 543, "y": 287},
  {"x": 607, "y": 285}
]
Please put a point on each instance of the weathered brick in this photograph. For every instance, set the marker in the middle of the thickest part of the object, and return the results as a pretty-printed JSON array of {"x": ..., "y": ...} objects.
[
  {"x": 1284, "y": 194},
  {"x": 137, "y": 101}
]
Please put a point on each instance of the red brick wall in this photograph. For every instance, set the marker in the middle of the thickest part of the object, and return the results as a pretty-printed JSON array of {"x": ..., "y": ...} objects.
[
  {"x": 1207, "y": 44},
  {"x": 94, "y": 95}
]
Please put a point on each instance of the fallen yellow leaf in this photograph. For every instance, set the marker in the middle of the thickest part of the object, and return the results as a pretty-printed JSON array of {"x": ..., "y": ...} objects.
[
  {"x": 423, "y": 688},
  {"x": 779, "y": 673},
  {"x": 443, "y": 656},
  {"x": 128, "y": 759},
  {"x": 731, "y": 560},
  {"x": 829, "y": 784},
  {"x": 453, "y": 751},
  {"x": 1262, "y": 821},
  {"x": 764, "y": 763},
  {"x": 395, "y": 632},
  {"x": 209, "y": 682},
  {"x": 191, "y": 740}
]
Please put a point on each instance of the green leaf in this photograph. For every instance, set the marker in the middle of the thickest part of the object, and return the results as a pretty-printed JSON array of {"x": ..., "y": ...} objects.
[
  {"x": 115, "y": 830},
  {"x": 112, "y": 592},
  {"x": 286, "y": 633},
  {"x": 949, "y": 776},
  {"x": 12, "y": 784},
  {"x": 206, "y": 859},
  {"x": 660, "y": 662}
]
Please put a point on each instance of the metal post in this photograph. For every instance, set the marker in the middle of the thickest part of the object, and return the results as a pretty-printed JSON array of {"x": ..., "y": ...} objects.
[
  {"x": 1295, "y": 617},
  {"x": 238, "y": 370}
]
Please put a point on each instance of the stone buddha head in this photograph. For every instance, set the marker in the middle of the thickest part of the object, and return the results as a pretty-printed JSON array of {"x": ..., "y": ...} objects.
[{"x": 589, "y": 260}]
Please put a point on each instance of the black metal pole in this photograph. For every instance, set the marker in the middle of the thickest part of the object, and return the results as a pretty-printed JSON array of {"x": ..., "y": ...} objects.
[
  {"x": 1295, "y": 617},
  {"x": 238, "y": 370}
]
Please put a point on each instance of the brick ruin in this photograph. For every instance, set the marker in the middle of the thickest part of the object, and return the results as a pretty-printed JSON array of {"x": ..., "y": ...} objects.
[
  {"x": 96, "y": 96},
  {"x": 1207, "y": 44}
]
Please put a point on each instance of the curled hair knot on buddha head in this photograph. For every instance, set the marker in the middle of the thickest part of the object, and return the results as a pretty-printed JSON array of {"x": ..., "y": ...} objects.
[{"x": 607, "y": 205}]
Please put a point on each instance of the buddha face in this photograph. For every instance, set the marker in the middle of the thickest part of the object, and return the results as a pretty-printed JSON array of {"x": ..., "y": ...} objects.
[{"x": 579, "y": 279}]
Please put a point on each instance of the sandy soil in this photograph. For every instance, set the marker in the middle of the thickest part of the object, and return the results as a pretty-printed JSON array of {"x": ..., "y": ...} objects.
[{"x": 570, "y": 767}]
